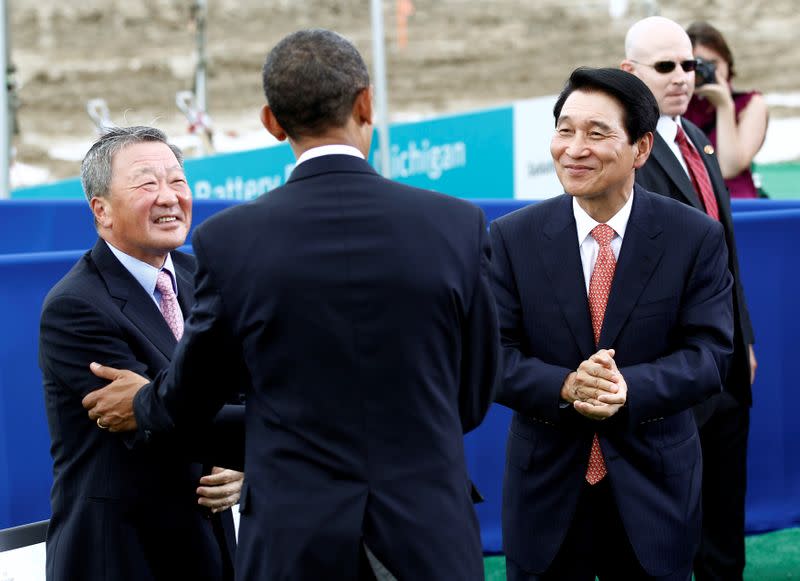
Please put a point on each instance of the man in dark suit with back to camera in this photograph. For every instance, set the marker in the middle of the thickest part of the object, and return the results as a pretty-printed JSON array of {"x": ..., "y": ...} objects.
[
  {"x": 615, "y": 317},
  {"x": 363, "y": 312},
  {"x": 120, "y": 513},
  {"x": 683, "y": 166}
]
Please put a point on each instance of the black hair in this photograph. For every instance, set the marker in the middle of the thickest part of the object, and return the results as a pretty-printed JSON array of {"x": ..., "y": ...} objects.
[
  {"x": 311, "y": 80},
  {"x": 639, "y": 104}
]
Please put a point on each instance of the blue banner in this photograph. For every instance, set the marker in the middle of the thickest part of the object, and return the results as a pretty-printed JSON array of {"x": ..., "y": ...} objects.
[{"x": 469, "y": 156}]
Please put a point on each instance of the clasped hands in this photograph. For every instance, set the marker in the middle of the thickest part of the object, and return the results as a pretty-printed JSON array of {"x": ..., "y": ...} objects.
[{"x": 597, "y": 389}]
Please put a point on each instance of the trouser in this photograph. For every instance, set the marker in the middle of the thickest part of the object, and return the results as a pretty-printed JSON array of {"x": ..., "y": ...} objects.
[{"x": 724, "y": 425}]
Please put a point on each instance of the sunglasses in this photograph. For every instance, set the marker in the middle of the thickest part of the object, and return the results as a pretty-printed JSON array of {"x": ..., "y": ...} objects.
[{"x": 665, "y": 67}]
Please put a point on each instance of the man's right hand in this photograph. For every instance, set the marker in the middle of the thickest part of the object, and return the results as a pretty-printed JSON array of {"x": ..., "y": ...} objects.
[
  {"x": 597, "y": 389},
  {"x": 112, "y": 406},
  {"x": 592, "y": 378}
]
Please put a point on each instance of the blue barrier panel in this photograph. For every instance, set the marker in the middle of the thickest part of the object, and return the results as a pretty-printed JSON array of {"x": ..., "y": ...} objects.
[
  {"x": 759, "y": 205},
  {"x": 493, "y": 209},
  {"x": 767, "y": 244},
  {"x": 25, "y": 466},
  {"x": 767, "y": 240},
  {"x": 54, "y": 225},
  {"x": 45, "y": 226}
]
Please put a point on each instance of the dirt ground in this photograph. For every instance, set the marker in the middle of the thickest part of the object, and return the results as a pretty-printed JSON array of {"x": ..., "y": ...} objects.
[{"x": 461, "y": 55}]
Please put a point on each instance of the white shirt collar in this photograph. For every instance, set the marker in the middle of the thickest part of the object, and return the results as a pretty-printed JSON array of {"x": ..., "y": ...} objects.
[
  {"x": 144, "y": 273},
  {"x": 328, "y": 150},
  {"x": 585, "y": 223},
  {"x": 667, "y": 127}
]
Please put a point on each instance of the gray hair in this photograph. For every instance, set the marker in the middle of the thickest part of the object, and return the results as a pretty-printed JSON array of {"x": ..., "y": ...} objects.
[
  {"x": 311, "y": 80},
  {"x": 96, "y": 166}
]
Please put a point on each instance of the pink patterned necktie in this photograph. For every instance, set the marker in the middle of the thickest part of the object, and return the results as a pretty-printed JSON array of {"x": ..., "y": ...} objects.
[
  {"x": 599, "y": 288},
  {"x": 698, "y": 173},
  {"x": 169, "y": 304}
]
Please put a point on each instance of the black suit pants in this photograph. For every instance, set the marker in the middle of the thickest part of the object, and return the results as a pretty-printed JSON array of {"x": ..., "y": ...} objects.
[
  {"x": 724, "y": 425},
  {"x": 596, "y": 545}
]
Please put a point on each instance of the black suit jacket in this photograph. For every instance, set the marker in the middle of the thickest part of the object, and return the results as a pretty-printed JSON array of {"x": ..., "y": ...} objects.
[
  {"x": 117, "y": 513},
  {"x": 362, "y": 310},
  {"x": 664, "y": 175},
  {"x": 668, "y": 318}
]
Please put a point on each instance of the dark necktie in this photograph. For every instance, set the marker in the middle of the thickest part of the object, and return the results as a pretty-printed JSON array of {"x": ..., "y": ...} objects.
[{"x": 698, "y": 173}]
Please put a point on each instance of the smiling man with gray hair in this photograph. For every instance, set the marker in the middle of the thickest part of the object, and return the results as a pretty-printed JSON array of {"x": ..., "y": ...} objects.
[{"x": 121, "y": 513}]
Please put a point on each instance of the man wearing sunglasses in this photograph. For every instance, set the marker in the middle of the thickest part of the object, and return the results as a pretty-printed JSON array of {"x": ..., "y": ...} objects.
[{"x": 683, "y": 165}]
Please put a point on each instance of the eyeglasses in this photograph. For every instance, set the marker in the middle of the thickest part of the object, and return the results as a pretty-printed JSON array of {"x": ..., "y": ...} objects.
[{"x": 665, "y": 67}]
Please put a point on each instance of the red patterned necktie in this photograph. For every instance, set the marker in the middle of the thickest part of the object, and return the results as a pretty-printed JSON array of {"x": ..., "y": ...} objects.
[
  {"x": 599, "y": 288},
  {"x": 698, "y": 173},
  {"x": 169, "y": 304}
]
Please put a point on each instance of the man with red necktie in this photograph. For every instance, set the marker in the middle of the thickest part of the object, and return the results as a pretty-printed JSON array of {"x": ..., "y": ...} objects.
[
  {"x": 684, "y": 166},
  {"x": 615, "y": 311}
]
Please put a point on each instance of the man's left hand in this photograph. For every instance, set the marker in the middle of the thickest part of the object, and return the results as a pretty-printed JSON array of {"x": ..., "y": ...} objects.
[
  {"x": 112, "y": 406},
  {"x": 605, "y": 404},
  {"x": 220, "y": 490}
]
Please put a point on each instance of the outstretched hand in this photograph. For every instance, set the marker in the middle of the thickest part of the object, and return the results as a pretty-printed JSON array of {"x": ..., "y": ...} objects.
[{"x": 111, "y": 407}]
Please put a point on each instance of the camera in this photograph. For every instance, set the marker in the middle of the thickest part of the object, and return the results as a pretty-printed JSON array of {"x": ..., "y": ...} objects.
[{"x": 705, "y": 73}]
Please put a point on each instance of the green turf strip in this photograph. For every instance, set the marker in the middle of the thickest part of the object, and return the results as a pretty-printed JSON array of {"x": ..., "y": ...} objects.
[{"x": 770, "y": 557}]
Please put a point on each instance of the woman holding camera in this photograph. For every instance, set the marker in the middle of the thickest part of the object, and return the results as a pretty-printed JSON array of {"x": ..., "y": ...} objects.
[{"x": 735, "y": 122}]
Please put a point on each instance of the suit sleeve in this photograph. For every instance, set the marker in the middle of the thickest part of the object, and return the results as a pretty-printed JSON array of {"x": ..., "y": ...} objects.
[
  {"x": 529, "y": 385},
  {"x": 744, "y": 313},
  {"x": 73, "y": 333},
  {"x": 207, "y": 360},
  {"x": 703, "y": 332},
  {"x": 725, "y": 206},
  {"x": 480, "y": 359}
]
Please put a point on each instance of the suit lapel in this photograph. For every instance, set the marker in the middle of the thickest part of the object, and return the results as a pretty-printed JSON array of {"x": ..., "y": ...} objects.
[
  {"x": 134, "y": 301},
  {"x": 562, "y": 262},
  {"x": 641, "y": 252},
  {"x": 674, "y": 171},
  {"x": 185, "y": 289}
]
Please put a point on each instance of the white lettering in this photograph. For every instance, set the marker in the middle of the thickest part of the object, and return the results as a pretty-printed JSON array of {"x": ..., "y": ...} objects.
[
  {"x": 236, "y": 188},
  {"x": 425, "y": 159},
  {"x": 202, "y": 190}
]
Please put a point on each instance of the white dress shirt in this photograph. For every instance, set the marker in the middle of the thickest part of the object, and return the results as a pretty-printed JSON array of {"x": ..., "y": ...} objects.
[
  {"x": 589, "y": 247},
  {"x": 146, "y": 274},
  {"x": 328, "y": 150},
  {"x": 668, "y": 128}
]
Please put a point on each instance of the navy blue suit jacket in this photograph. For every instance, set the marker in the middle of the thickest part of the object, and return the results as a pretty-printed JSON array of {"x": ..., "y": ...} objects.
[
  {"x": 664, "y": 175},
  {"x": 362, "y": 311},
  {"x": 117, "y": 513},
  {"x": 668, "y": 318}
]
